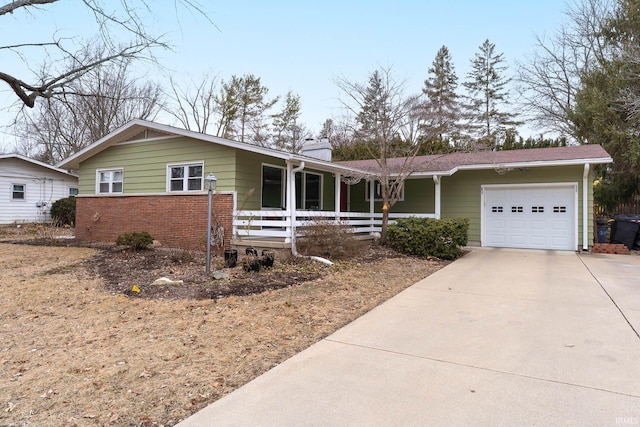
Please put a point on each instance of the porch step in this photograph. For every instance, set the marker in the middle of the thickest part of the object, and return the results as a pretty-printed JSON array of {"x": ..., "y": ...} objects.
[{"x": 610, "y": 248}]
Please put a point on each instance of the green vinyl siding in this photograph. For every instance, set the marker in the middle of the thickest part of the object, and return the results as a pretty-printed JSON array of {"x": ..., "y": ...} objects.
[
  {"x": 461, "y": 192},
  {"x": 249, "y": 177},
  {"x": 419, "y": 197},
  {"x": 145, "y": 164}
]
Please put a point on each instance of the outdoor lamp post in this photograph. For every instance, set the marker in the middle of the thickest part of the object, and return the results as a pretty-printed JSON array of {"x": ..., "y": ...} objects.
[{"x": 211, "y": 181}]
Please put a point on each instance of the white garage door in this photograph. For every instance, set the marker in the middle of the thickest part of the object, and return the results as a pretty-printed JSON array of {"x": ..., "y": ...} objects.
[{"x": 537, "y": 217}]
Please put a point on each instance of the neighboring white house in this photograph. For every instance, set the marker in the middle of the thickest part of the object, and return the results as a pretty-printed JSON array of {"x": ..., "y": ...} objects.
[{"x": 28, "y": 188}]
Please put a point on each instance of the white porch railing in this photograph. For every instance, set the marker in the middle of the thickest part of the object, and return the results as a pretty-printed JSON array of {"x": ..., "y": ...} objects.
[{"x": 277, "y": 223}]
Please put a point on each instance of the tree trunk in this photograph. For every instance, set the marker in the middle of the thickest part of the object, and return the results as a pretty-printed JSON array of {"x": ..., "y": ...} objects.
[{"x": 385, "y": 224}]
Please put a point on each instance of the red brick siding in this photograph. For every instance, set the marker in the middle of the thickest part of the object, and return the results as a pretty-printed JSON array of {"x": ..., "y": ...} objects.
[{"x": 178, "y": 221}]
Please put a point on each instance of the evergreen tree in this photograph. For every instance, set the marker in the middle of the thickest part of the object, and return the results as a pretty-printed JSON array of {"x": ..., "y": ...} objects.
[
  {"x": 243, "y": 104},
  {"x": 440, "y": 88},
  {"x": 488, "y": 96},
  {"x": 286, "y": 131},
  {"x": 227, "y": 108}
]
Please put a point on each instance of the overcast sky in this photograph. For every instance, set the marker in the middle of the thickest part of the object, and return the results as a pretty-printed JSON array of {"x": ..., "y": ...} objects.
[{"x": 304, "y": 46}]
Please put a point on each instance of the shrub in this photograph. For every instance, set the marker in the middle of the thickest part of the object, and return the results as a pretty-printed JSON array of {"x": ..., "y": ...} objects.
[
  {"x": 63, "y": 211},
  {"x": 138, "y": 240},
  {"x": 328, "y": 239},
  {"x": 440, "y": 238}
]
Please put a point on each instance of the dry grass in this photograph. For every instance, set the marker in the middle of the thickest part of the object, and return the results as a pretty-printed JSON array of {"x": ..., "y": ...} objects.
[{"x": 74, "y": 354}]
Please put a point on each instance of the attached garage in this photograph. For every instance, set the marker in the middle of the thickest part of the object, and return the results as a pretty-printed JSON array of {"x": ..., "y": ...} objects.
[{"x": 535, "y": 216}]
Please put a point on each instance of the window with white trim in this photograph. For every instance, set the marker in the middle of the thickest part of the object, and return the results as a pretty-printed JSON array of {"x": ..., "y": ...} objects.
[
  {"x": 73, "y": 191},
  {"x": 18, "y": 191},
  {"x": 186, "y": 177},
  {"x": 273, "y": 187},
  {"x": 110, "y": 181},
  {"x": 308, "y": 191},
  {"x": 377, "y": 191}
]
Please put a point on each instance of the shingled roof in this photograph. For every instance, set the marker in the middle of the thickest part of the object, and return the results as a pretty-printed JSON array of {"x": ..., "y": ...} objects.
[{"x": 447, "y": 164}]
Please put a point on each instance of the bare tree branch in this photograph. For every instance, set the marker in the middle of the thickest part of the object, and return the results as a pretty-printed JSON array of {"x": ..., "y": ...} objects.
[
  {"x": 18, "y": 4},
  {"x": 129, "y": 16}
]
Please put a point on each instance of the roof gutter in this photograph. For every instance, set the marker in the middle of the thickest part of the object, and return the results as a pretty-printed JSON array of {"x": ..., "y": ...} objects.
[{"x": 515, "y": 165}]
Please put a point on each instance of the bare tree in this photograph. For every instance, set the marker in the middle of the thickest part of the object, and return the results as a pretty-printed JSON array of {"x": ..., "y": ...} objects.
[
  {"x": 93, "y": 105},
  {"x": 550, "y": 79},
  {"x": 63, "y": 62},
  {"x": 392, "y": 122},
  {"x": 338, "y": 131},
  {"x": 196, "y": 106}
]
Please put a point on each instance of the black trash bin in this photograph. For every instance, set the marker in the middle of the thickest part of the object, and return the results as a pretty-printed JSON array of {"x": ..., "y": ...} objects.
[{"x": 625, "y": 230}]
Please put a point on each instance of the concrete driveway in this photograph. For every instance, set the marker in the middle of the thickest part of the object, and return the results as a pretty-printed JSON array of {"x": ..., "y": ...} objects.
[{"x": 500, "y": 337}]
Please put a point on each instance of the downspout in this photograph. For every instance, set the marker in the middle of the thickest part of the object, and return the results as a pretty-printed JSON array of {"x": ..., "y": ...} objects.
[
  {"x": 291, "y": 183},
  {"x": 585, "y": 208}
]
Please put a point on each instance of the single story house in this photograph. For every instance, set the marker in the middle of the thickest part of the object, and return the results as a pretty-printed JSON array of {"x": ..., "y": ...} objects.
[
  {"x": 150, "y": 177},
  {"x": 30, "y": 187}
]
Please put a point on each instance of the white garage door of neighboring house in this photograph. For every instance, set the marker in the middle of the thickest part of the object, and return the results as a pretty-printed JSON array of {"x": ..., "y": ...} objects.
[{"x": 530, "y": 216}]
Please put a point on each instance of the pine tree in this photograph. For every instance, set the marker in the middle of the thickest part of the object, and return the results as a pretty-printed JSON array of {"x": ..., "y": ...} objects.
[
  {"x": 440, "y": 88},
  {"x": 488, "y": 96},
  {"x": 286, "y": 131}
]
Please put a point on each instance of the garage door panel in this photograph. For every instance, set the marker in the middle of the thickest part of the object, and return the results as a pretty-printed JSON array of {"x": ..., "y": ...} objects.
[
  {"x": 517, "y": 224},
  {"x": 497, "y": 239},
  {"x": 517, "y": 239},
  {"x": 560, "y": 225},
  {"x": 530, "y": 217},
  {"x": 537, "y": 224}
]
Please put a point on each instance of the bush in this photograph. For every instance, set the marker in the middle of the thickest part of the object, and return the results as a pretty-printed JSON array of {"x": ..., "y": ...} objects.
[
  {"x": 63, "y": 211},
  {"x": 138, "y": 240},
  {"x": 440, "y": 238},
  {"x": 328, "y": 239}
]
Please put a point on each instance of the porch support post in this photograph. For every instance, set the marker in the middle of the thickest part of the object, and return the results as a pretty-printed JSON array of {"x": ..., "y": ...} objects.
[
  {"x": 372, "y": 203},
  {"x": 291, "y": 185},
  {"x": 436, "y": 181},
  {"x": 585, "y": 208},
  {"x": 287, "y": 200},
  {"x": 337, "y": 195}
]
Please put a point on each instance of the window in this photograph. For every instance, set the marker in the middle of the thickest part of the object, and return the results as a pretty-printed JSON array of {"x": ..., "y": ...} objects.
[
  {"x": 273, "y": 180},
  {"x": 186, "y": 177},
  {"x": 18, "y": 191},
  {"x": 516, "y": 209},
  {"x": 110, "y": 181},
  {"x": 496, "y": 209},
  {"x": 73, "y": 191},
  {"x": 559, "y": 209},
  {"x": 309, "y": 190},
  {"x": 537, "y": 209},
  {"x": 377, "y": 191}
]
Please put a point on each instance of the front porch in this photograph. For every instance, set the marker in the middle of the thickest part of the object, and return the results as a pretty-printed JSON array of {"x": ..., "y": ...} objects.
[
  {"x": 295, "y": 197},
  {"x": 266, "y": 229}
]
